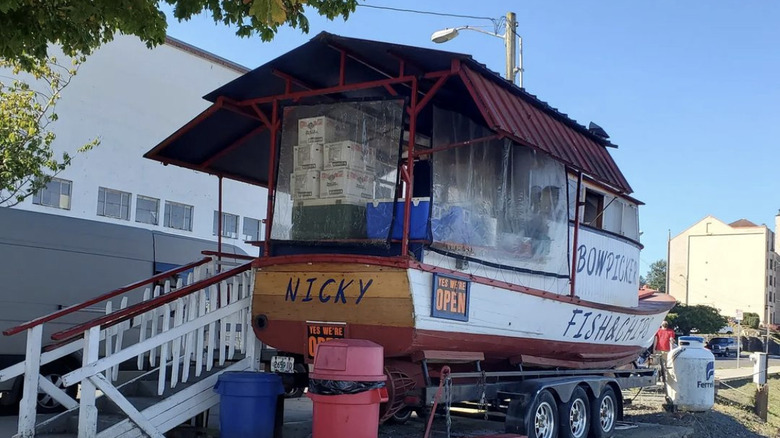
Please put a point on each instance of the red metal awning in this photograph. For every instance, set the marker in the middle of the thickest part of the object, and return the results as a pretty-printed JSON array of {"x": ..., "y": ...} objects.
[{"x": 507, "y": 112}]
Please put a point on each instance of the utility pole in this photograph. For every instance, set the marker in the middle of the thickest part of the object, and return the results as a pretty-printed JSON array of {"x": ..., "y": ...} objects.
[{"x": 514, "y": 44}]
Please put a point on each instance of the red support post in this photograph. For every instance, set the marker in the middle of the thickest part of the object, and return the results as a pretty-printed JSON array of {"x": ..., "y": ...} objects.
[
  {"x": 342, "y": 67},
  {"x": 576, "y": 233},
  {"x": 269, "y": 219},
  {"x": 409, "y": 169}
]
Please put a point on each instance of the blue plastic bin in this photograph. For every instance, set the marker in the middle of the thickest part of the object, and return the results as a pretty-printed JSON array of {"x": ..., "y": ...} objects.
[
  {"x": 247, "y": 403},
  {"x": 380, "y": 213}
]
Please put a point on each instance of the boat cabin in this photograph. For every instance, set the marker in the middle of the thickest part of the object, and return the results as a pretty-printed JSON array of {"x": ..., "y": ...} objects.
[{"x": 378, "y": 149}]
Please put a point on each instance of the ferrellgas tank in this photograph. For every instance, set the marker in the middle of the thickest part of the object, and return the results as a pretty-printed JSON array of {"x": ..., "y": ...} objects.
[{"x": 691, "y": 375}]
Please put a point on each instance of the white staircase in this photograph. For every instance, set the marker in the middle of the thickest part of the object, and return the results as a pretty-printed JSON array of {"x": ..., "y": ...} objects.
[{"x": 180, "y": 339}]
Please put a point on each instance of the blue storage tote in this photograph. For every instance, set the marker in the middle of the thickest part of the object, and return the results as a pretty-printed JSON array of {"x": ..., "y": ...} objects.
[{"x": 379, "y": 214}]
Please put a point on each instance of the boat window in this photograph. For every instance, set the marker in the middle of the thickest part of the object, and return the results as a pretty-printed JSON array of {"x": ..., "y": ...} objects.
[
  {"x": 497, "y": 201},
  {"x": 594, "y": 207},
  {"x": 338, "y": 171}
]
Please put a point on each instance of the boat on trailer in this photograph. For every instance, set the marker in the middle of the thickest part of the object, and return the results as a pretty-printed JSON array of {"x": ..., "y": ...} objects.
[{"x": 418, "y": 200}]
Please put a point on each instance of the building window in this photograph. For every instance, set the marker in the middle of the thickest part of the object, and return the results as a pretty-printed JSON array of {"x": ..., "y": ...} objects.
[
  {"x": 229, "y": 225},
  {"x": 594, "y": 206},
  {"x": 251, "y": 229},
  {"x": 178, "y": 216},
  {"x": 56, "y": 194},
  {"x": 113, "y": 203},
  {"x": 147, "y": 210}
]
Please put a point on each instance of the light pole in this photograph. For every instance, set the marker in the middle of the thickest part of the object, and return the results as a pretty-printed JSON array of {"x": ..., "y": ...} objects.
[{"x": 512, "y": 41}]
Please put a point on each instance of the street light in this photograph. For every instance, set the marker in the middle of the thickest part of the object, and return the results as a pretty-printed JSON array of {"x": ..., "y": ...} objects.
[{"x": 512, "y": 41}]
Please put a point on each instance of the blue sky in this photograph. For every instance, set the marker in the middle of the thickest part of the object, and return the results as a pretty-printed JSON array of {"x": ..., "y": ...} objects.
[{"x": 690, "y": 91}]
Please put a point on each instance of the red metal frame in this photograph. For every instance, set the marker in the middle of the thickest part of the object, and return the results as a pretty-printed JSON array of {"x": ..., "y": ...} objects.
[
  {"x": 271, "y": 198},
  {"x": 575, "y": 234},
  {"x": 76, "y": 307},
  {"x": 232, "y": 146},
  {"x": 409, "y": 174},
  {"x": 137, "y": 309},
  {"x": 459, "y": 144}
]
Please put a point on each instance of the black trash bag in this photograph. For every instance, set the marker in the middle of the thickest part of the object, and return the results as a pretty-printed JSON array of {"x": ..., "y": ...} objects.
[{"x": 341, "y": 387}]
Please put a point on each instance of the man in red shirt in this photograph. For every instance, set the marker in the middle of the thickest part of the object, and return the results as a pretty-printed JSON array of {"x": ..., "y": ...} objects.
[{"x": 663, "y": 339}]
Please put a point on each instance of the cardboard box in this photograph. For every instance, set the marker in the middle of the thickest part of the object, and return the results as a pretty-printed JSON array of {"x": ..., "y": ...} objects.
[
  {"x": 307, "y": 157},
  {"x": 305, "y": 185},
  {"x": 319, "y": 130},
  {"x": 349, "y": 155},
  {"x": 346, "y": 183}
]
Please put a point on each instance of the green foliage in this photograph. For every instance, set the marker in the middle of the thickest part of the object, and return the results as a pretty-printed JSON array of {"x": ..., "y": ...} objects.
[
  {"x": 27, "y": 160},
  {"x": 751, "y": 319},
  {"x": 27, "y": 27},
  {"x": 656, "y": 276},
  {"x": 704, "y": 319}
]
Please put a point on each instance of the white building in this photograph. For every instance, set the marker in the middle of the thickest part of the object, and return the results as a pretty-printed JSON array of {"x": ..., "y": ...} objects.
[
  {"x": 132, "y": 98},
  {"x": 727, "y": 266}
]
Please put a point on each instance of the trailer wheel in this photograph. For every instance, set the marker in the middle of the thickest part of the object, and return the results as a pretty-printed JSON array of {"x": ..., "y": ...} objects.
[
  {"x": 292, "y": 391},
  {"x": 575, "y": 415},
  {"x": 604, "y": 414},
  {"x": 544, "y": 417}
]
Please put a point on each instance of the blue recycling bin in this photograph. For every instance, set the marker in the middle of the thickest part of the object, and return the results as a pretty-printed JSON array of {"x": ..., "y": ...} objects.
[{"x": 247, "y": 403}]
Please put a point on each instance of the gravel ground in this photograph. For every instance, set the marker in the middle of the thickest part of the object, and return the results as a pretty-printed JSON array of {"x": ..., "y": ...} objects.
[{"x": 731, "y": 417}]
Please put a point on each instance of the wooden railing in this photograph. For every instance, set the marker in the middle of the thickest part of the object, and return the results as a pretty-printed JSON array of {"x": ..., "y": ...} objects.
[{"x": 196, "y": 322}]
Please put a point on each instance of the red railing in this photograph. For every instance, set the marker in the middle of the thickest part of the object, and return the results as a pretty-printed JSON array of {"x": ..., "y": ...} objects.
[
  {"x": 142, "y": 307},
  {"x": 228, "y": 255},
  {"x": 76, "y": 307}
]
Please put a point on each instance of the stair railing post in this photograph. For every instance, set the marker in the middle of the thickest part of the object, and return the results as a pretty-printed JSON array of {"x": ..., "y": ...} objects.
[
  {"x": 87, "y": 410},
  {"x": 32, "y": 371}
]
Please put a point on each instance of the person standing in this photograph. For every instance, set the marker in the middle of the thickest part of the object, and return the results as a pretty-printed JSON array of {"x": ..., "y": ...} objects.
[{"x": 664, "y": 339}]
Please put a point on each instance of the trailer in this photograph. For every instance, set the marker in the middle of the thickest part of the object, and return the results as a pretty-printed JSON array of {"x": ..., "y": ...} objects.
[{"x": 536, "y": 403}]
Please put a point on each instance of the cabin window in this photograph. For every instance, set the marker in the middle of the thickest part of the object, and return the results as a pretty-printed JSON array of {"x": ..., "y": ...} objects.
[
  {"x": 178, "y": 216},
  {"x": 229, "y": 225},
  {"x": 56, "y": 194},
  {"x": 113, "y": 203},
  {"x": 594, "y": 208},
  {"x": 497, "y": 201},
  {"x": 338, "y": 171},
  {"x": 147, "y": 210},
  {"x": 251, "y": 229}
]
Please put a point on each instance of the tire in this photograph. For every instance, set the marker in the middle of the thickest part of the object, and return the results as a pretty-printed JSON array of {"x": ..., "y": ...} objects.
[
  {"x": 543, "y": 417},
  {"x": 575, "y": 415},
  {"x": 727, "y": 353},
  {"x": 54, "y": 372},
  {"x": 402, "y": 416},
  {"x": 604, "y": 414}
]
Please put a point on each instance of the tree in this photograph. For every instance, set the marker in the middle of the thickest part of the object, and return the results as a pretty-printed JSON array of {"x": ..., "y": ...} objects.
[
  {"x": 656, "y": 276},
  {"x": 704, "y": 319},
  {"x": 27, "y": 27},
  {"x": 751, "y": 319},
  {"x": 27, "y": 161}
]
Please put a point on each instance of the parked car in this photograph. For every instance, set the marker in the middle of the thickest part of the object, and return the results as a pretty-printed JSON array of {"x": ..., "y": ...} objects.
[{"x": 723, "y": 346}]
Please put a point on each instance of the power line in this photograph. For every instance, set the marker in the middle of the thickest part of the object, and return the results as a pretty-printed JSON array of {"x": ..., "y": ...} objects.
[{"x": 439, "y": 14}]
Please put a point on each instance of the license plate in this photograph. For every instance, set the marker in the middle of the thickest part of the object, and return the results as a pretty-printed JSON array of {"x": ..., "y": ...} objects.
[
  {"x": 317, "y": 333},
  {"x": 282, "y": 364}
]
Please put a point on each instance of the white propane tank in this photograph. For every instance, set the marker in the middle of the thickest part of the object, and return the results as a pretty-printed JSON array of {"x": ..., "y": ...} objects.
[{"x": 691, "y": 378}]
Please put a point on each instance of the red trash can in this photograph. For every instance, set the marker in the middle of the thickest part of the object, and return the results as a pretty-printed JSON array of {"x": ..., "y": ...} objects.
[{"x": 347, "y": 387}]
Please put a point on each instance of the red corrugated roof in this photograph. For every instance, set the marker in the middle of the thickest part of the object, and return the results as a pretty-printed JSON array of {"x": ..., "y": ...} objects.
[{"x": 506, "y": 111}]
